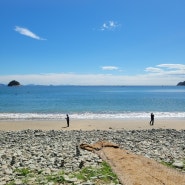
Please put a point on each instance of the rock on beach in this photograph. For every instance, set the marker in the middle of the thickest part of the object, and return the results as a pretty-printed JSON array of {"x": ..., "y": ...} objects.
[{"x": 53, "y": 151}]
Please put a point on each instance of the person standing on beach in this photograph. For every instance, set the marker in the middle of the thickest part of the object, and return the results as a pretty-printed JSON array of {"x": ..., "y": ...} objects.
[
  {"x": 152, "y": 119},
  {"x": 67, "y": 119}
]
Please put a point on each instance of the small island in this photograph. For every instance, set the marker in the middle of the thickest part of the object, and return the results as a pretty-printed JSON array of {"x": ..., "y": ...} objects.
[
  {"x": 181, "y": 84},
  {"x": 13, "y": 83}
]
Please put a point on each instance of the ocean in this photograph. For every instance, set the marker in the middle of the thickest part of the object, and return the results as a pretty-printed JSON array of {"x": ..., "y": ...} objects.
[{"x": 91, "y": 102}]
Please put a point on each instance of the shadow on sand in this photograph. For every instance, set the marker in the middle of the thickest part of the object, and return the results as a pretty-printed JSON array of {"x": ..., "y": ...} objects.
[{"x": 65, "y": 127}]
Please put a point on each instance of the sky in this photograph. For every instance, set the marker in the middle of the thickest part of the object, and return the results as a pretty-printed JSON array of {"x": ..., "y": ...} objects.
[{"x": 92, "y": 42}]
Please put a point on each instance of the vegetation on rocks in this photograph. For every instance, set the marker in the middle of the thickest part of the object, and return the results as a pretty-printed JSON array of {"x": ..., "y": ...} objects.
[
  {"x": 175, "y": 166},
  {"x": 88, "y": 175},
  {"x": 50, "y": 157}
]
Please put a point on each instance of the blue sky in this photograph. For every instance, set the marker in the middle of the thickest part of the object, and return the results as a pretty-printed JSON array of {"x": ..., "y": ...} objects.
[{"x": 92, "y": 42}]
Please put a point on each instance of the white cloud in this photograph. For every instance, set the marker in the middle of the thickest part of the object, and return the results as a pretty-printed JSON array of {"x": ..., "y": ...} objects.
[
  {"x": 172, "y": 66},
  {"x": 167, "y": 69},
  {"x": 110, "y": 68},
  {"x": 157, "y": 75},
  {"x": 27, "y": 32},
  {"x": 93, "y": 79},
  {"x": 109, "y": 25},
  {"x": 153, "y": 70}
]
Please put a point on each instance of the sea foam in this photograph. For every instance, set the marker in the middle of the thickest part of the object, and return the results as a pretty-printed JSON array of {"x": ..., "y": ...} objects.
[{"x": 87, "y": 115}]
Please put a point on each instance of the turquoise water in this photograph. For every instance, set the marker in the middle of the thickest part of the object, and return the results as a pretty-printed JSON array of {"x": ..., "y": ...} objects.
[{"x": 91, "y": 102}]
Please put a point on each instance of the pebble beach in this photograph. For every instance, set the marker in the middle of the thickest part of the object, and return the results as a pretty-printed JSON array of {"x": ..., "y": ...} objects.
[{"x": 51, "y": 151}]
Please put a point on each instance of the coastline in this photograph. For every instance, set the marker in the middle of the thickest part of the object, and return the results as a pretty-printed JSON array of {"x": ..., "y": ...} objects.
[
  {"x": 92, "y": 124},
  {"x": 50, "y": 146}
]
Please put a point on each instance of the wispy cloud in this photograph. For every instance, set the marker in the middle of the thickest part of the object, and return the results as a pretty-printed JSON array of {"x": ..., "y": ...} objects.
[
  {"x": 109, "y": 68},
  {"x": 109, "y": 26},
  {"x": 153, "y": 70},
  {"x": 93, "y": 79},
  {"x": 167, "y": 69},
  {"x": 27, "y": 32},
  {"x": 162, "y": 74},
  {"x": 172, "y": 66}
]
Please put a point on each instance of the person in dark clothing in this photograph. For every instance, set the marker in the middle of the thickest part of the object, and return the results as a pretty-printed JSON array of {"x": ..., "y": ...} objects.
[
  {"x": 67, "y": 119},
  {"x": 152, "y": 119}
]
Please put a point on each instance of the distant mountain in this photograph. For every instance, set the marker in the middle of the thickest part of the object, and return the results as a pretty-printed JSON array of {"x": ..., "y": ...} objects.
[
  {"x": 2, "y": 84},
  {"x": 30, "y": 85},
  {"x": 181, "y": 84}
]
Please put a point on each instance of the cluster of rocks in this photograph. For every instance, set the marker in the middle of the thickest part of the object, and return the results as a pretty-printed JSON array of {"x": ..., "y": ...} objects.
[{"x": 52, "y": 151}]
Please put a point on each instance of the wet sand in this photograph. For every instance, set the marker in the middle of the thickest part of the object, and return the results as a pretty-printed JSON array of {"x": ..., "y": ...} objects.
[{"x": 100, "y": 124}]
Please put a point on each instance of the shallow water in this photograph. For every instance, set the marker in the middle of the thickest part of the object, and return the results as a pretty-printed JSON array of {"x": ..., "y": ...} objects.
[{"x": 91, "y": 102}]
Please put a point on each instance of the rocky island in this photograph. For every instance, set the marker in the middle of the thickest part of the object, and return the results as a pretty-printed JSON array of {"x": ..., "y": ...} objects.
[
  {"x": 13, "y": 83},
  {"x": 181, "y": 84}
]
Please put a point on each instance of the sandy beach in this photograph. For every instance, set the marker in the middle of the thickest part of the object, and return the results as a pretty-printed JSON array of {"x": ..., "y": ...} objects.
[
  {"x": 101, "y": 124},
  {"x": 54, "y": 151}
]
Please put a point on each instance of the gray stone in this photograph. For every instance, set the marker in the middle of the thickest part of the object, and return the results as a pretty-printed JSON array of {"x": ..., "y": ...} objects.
[
  {"x": 178, "y": 164},
  {"x": 8, "y": 171},
  {"x": 88, "y": 183},
  {"x": 18, "y": 182},
  {"x": 54, "y": 151},
  {"x": 3, "y": 183},
  {"x": 71, "y": 180}
]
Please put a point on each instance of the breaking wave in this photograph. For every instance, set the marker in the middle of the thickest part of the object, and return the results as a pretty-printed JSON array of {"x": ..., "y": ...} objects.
[{"x": 87, "y": 115}]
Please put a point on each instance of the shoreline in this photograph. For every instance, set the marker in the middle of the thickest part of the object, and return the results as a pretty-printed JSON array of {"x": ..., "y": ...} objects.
[{"x": 92, "y": 124}]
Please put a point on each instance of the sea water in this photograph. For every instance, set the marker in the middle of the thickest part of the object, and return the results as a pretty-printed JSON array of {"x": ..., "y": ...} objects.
[{"x": 91, "y": 102}]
